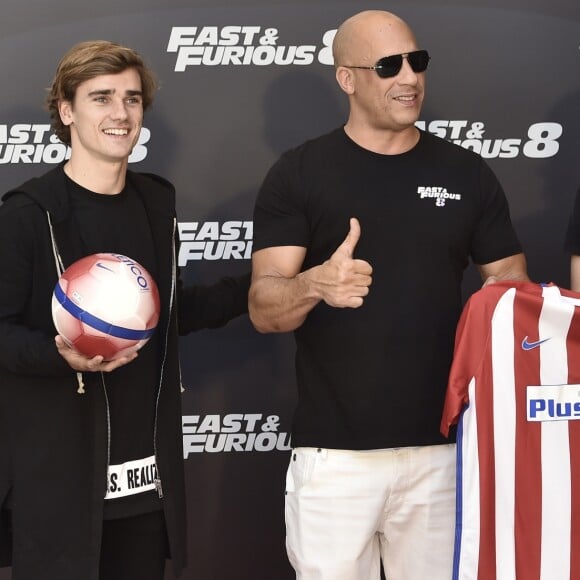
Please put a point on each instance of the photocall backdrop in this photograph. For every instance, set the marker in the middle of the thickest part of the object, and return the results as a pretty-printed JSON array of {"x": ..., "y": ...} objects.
[{"x": 240, "y": 83}]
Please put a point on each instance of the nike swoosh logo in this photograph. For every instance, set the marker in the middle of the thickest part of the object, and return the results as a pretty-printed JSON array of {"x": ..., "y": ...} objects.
[{"x": 530, "y": 345}]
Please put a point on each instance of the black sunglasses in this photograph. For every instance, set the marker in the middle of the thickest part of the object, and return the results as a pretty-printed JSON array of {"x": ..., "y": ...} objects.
[{"x": 389, "y": 66}]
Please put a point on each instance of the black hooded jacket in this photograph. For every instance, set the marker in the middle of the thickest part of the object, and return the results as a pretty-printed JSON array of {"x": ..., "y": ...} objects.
[{"x": 53, "y": 440}]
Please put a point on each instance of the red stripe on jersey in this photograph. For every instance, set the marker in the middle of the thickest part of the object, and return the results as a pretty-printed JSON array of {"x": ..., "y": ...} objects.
[
  {"x": 486, "y": 446},
  {"x": 528, "y": 470}
]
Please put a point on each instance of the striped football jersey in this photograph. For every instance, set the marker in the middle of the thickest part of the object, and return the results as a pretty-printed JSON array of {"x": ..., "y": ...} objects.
[{"x": 514, "y": 393}]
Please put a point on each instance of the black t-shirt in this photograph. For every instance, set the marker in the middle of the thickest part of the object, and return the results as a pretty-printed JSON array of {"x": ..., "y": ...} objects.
[
  {"x": 375, "y": 377},
  {"x": 118, "y": 224}
]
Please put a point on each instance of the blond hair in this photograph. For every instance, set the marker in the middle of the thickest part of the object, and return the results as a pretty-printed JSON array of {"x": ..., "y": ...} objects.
[{"x": 85, "y": 61}]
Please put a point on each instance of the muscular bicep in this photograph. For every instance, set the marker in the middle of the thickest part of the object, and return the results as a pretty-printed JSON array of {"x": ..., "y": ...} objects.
[
  {"x": 280, "y": 262},
  {"x": 279, "y": 300}
]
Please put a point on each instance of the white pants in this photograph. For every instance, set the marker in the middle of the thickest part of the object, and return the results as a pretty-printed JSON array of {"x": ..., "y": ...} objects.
[{"x": 345, "y": 510}]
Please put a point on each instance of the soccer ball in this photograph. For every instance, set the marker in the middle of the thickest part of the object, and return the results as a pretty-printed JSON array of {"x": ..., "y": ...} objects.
[{"x": 105, "y": 304}]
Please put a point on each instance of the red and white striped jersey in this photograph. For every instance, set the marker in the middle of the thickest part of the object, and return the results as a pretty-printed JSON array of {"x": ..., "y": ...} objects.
[{"x": 514, "y": 392}]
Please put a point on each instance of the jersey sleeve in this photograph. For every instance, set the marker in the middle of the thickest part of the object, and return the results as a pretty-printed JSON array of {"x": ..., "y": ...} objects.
[
  {"x": 494, "y": 237},
  {"x": 280, "y": 210},
  {"x": 572, "y": 242},
  {"x": 471, "y": 341}
]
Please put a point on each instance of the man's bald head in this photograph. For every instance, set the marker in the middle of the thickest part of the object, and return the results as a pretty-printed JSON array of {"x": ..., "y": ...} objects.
[{"x": 356, "y": 36}]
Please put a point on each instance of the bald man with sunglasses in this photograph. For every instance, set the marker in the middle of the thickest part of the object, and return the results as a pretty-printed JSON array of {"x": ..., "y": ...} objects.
[{"x": 361, "y": 237}]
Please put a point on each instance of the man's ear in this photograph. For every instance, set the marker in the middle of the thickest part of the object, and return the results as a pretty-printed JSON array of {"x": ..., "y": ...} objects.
[
  {"x": 65, "y": 112},
  {"x": 345, "y": 79}
]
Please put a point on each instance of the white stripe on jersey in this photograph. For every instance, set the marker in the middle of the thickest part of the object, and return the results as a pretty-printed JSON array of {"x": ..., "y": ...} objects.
[
  {"x": 504, "y": 434},
  {"x": 556, "y": 481},
  {"x": 469, "y": 490}
]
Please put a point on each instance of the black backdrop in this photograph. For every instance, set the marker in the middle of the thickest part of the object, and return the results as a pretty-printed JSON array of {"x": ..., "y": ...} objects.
[{"x": 504, "y": 80}]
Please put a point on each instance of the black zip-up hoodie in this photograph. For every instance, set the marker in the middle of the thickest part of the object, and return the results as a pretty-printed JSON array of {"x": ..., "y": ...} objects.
[{"x": 53, "y": 440}]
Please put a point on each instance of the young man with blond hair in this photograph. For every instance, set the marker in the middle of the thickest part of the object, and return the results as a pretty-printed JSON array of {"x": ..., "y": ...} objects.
[{"x": 63, "y": 453}]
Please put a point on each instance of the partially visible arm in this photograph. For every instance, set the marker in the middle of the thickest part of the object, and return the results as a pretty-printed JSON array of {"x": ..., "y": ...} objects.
[
  {"x": 281, "y": 296},
  {"x": 572, "y": 244},
  {"x": 212, "y": 306},
  {"x": 575, "y": 273},
  {"x": 510, "y": 268}
]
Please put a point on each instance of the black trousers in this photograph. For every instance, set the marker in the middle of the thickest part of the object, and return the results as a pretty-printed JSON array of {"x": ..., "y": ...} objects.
[{"x": 134, "y": 548}]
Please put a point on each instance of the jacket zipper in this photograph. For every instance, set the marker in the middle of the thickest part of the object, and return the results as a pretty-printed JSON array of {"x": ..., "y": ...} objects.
[
  {"x": 108, "y": 433},
  {"x": 158, "y": 484}
]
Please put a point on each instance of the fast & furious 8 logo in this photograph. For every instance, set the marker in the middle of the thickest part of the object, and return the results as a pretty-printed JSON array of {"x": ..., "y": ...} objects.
[{"x": 541, "y": 142}]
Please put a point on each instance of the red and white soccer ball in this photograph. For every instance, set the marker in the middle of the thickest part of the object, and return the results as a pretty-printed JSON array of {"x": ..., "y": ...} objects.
[{"x": 105, "y": 304}]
